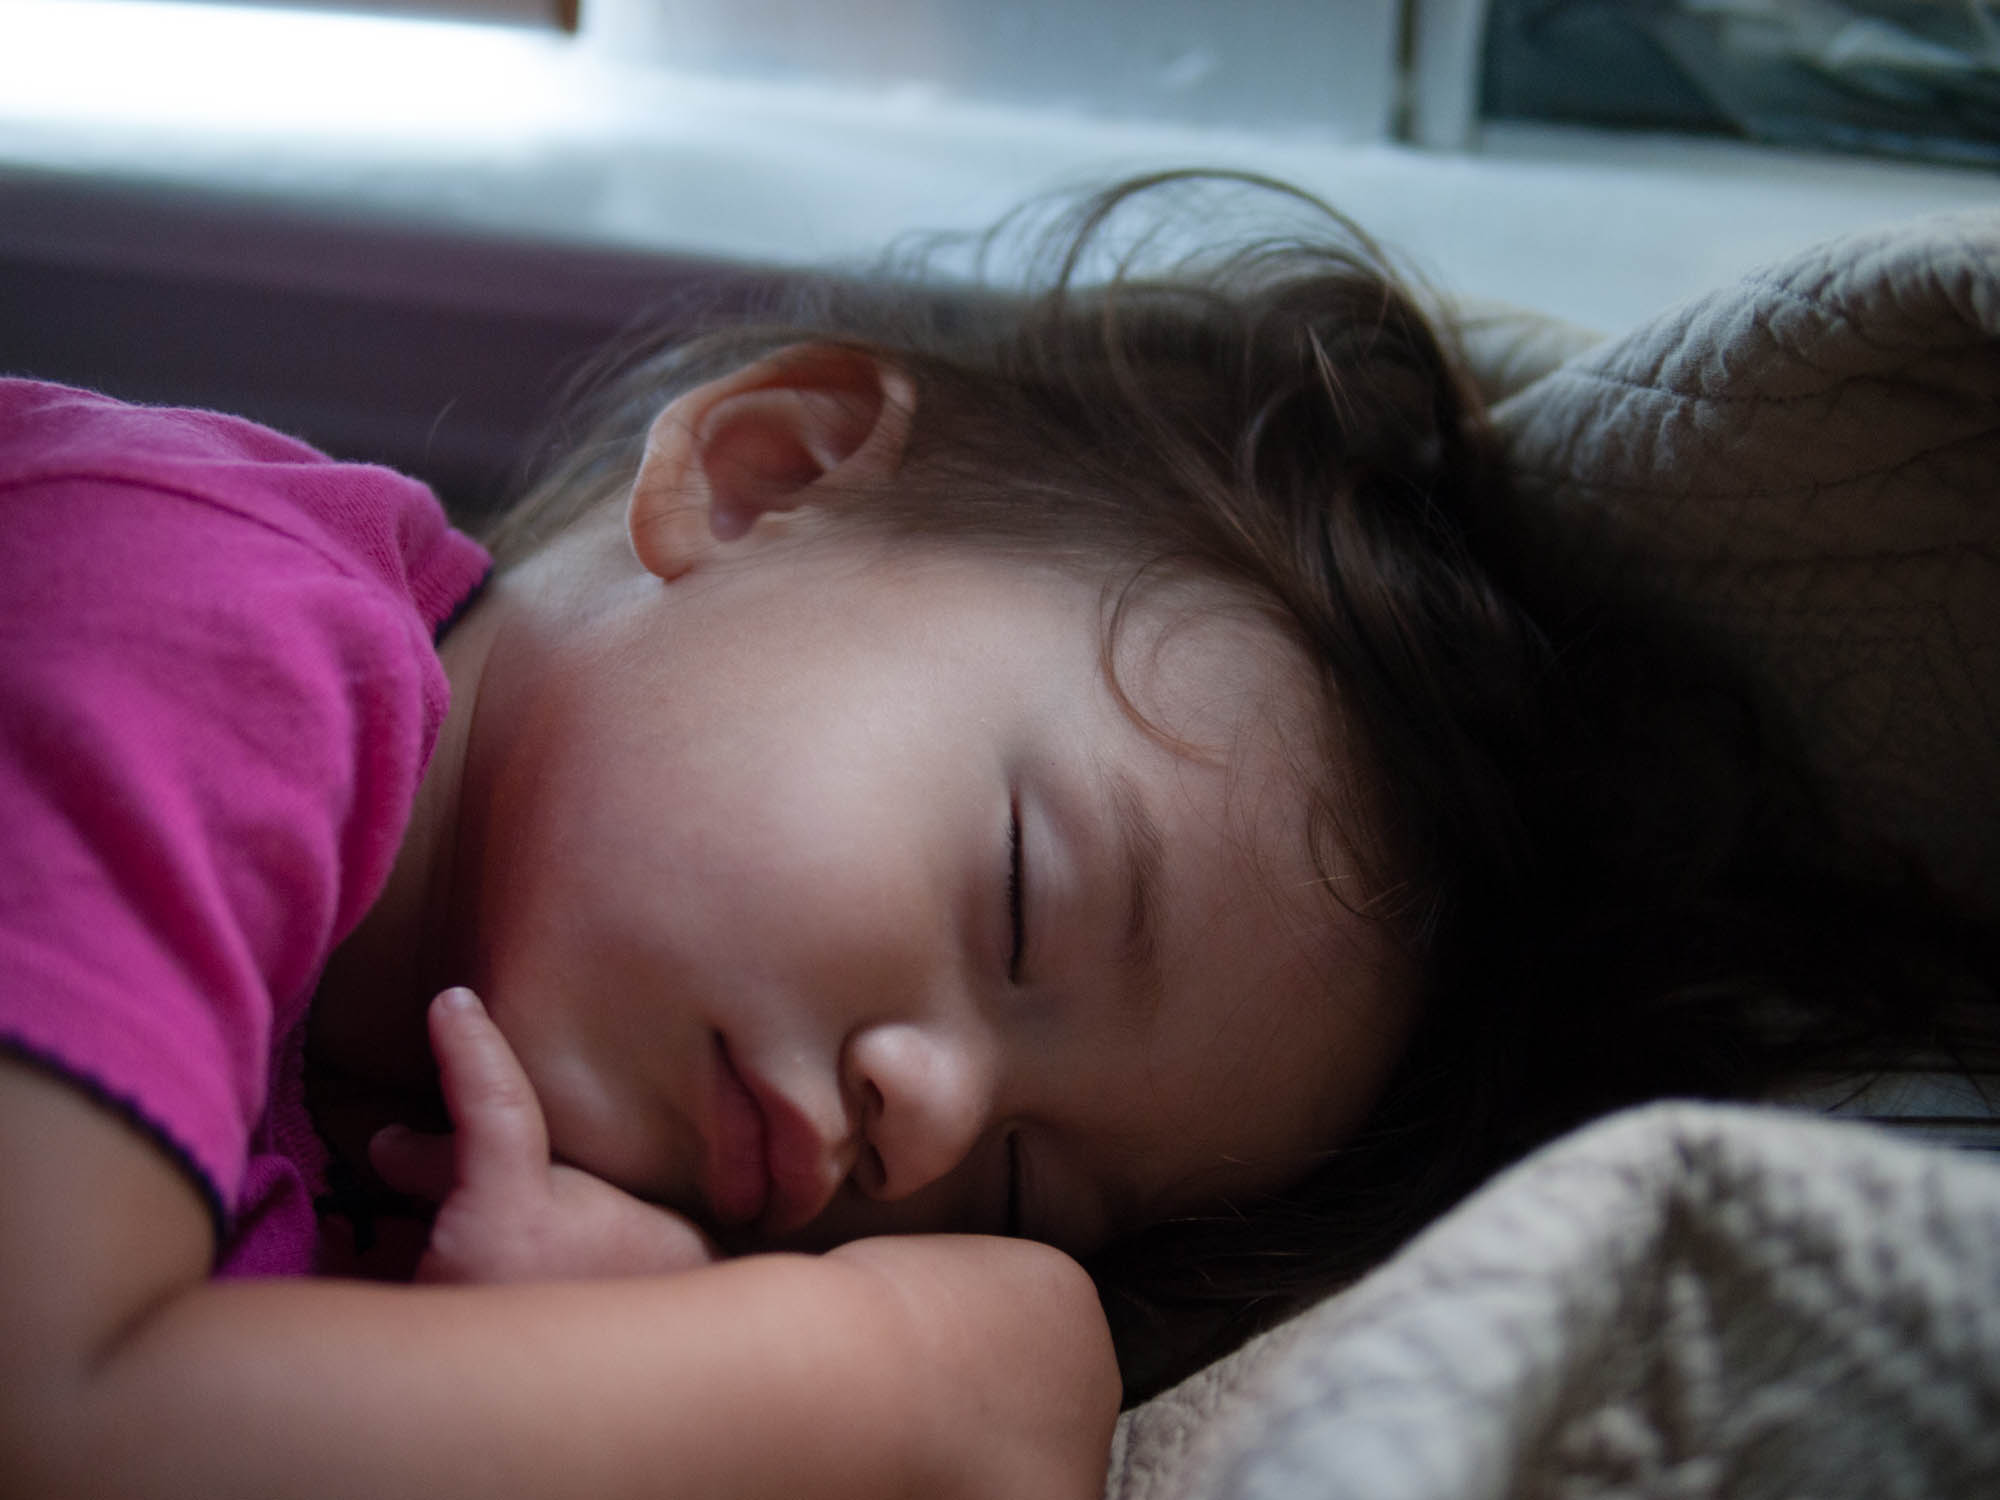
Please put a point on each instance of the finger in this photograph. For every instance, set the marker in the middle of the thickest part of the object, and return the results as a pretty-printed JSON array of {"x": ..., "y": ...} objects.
[
  {"x": 412, "y": 1162},
  {"x": 500, "y": 1137}
]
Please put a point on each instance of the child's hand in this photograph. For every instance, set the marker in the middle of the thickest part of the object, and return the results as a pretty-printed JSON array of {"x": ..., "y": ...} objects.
[{"x": 505, "y": 1211}]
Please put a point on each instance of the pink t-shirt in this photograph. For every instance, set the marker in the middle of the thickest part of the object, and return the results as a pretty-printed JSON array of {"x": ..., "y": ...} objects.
[{"x": 218, "y": 692}]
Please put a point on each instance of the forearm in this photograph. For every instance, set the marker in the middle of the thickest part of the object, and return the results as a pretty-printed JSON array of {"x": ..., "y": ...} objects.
[
  {"x": 606, "y": 1389},
  {"x": 603, "y": 1389}
]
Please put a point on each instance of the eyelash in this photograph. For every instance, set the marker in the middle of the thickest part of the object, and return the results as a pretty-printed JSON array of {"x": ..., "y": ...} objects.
[{"x": 1016, "y": 896}]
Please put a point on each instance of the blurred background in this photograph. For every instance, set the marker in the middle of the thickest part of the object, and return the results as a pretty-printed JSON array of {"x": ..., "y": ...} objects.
[{"x": 394, "y": 228}]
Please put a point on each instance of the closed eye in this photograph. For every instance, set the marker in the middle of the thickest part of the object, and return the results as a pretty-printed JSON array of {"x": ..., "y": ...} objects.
[{"x": 1016, "y": 895}]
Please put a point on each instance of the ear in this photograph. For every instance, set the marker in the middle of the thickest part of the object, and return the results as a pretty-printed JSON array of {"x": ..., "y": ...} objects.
[{"x": 795, "y": 429}]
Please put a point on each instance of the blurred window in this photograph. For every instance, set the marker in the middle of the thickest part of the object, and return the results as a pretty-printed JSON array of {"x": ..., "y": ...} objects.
[
  {"x": 1327, "y": 67},
  {"x": 1916, "y": 78}
]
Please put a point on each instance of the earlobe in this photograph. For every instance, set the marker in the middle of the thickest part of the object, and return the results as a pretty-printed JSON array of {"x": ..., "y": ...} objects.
[{"x": 797, "y": 429}]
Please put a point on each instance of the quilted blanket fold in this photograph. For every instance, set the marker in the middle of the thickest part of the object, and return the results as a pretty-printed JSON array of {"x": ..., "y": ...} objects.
[
  {"x": 1684, "y": 1300},
  {"x": 1807, "y": 464}
]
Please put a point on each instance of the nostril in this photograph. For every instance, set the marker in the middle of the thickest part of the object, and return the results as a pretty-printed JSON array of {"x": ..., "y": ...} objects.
[{"x": 871, "y": 1173}]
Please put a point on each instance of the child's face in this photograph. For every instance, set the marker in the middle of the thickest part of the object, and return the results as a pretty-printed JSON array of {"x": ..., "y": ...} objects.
[{"x": 749, "y": 908}]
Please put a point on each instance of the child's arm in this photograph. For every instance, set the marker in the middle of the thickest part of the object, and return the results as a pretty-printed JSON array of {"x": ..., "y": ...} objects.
[{"x": 933, "y": 1367}]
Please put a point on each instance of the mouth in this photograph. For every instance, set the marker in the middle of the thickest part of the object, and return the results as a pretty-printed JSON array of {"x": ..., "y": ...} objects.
[
  {"x": 767, "y": 1168},
  {"x": 736, "y": 1176}
]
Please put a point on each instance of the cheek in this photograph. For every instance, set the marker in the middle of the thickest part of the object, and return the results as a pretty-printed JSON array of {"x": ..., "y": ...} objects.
[
  {"x": 817, "y": 820},
  {"x": 608, "y": 1045},
  {"x": 753, "y": 854}
]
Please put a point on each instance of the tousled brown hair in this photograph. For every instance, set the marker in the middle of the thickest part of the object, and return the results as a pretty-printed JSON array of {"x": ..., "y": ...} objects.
[{"x": 1605, "y": 866}]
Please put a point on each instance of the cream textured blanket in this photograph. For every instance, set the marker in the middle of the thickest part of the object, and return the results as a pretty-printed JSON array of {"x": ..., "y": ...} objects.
[
  {"x": 1681, "y": 1301},
  {"x": 1808, "y": 464},
  {"x": 1692, "y": 1301}
]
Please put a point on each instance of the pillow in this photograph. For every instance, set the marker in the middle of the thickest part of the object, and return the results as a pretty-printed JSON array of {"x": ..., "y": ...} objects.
[{"x": 1806, "y": 465}]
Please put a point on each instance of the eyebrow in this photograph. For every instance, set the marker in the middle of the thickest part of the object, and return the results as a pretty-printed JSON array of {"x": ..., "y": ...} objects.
[{"x": 1141, "y": 855}]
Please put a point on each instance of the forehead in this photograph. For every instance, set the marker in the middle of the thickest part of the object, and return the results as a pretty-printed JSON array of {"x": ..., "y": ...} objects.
[{"x": 1211, "y": 675}]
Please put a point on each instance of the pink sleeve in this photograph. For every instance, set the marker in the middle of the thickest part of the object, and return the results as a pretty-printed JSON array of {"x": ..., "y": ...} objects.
[{"x": 213, "y": 731}]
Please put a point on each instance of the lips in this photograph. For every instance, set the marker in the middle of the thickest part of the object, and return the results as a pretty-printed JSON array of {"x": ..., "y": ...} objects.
[
  {"x": 766, "y": 1162},
  {"x": 801, "y": 1166}
]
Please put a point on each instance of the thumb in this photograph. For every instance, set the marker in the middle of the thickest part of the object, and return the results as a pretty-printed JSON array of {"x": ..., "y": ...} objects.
[{"x": 500, "y": 1138}]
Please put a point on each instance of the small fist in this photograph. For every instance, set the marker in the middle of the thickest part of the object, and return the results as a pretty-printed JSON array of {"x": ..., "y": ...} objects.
[{"x": 505, "y": 1211}]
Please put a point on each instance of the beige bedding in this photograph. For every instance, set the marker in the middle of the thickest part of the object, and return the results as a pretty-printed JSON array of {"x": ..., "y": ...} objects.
[
  {"x": 1682, "y": 1301},
  {"x": 1687, "y": 1300},
  {"x": 1809, "y": 462}
]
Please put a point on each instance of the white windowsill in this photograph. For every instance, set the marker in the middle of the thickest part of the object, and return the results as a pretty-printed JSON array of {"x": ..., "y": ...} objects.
[{"x": 540, "y": 139}]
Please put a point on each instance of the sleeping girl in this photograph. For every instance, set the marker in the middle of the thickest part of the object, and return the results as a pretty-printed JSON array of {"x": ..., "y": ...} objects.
[{"x": 920, "y": 795}]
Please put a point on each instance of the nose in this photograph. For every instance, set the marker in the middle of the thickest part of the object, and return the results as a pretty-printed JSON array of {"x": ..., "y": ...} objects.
[{"x": 925, "y": 1095}]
